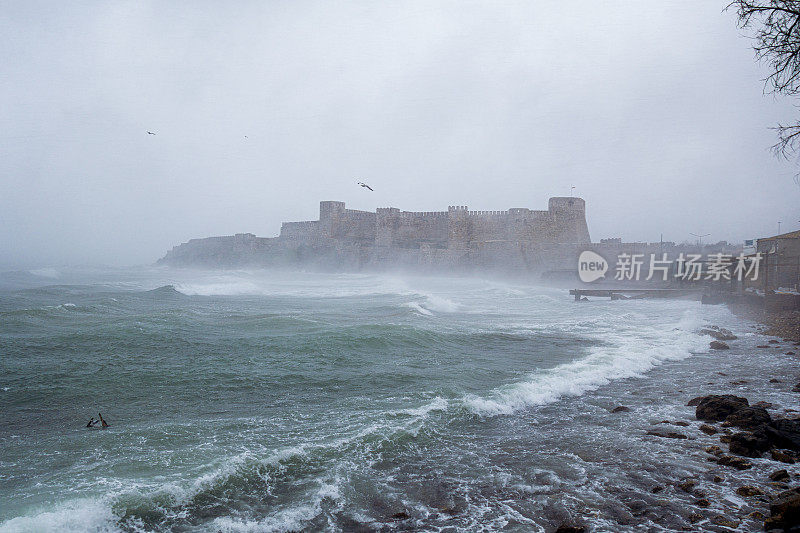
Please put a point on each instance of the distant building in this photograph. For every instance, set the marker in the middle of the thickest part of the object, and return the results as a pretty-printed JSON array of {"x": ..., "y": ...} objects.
[
  {"x": 781, "y": 260},
  {"x": 787, "y": 244}
]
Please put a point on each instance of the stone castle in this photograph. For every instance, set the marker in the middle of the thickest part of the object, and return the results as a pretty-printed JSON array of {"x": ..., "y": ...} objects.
[
  {"x": 517, "y": 239},
  {"x": 520, "y": 242},
  {"x": 458, "y": 227}
]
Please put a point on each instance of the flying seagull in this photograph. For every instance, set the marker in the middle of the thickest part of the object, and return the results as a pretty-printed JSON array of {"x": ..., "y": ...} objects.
[
  {"x": 365, "y": 185},
  {"x": 150, "y": 133}
]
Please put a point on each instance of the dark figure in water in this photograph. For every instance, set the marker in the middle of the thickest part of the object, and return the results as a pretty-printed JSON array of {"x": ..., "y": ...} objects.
[
  {"x": 92, "y": 423},
  {"x": 104, "y": 424}
]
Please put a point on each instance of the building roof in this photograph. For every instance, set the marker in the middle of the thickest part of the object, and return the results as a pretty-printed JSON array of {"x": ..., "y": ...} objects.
[{"x": 790, "y": 235}]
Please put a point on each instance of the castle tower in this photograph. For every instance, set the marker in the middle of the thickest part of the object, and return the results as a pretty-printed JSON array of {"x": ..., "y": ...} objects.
[
  {"x": 569, "y": 217},
  {"x": 330, "y": 213}
]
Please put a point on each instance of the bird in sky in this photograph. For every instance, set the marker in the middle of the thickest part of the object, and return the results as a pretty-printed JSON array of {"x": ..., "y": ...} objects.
[
  {"x": 365, "y": 185},
  {"x": 150, "y": 133}
]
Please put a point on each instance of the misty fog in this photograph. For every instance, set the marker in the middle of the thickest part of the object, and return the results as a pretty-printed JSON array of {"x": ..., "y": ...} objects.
[{"x": 655, "y": 112}]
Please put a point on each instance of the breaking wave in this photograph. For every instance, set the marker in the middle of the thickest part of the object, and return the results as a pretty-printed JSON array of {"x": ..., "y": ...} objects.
[{"x": 625, "y": 353}]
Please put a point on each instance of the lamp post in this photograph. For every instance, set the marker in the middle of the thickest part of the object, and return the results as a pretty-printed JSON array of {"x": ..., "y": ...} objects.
[{"x": 700, "y": 238}]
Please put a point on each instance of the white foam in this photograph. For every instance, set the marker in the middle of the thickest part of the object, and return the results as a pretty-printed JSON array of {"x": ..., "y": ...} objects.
[
  {"x": 441, "y": 304},
  {"x": 624, "y": 354},
  {"x": 418, "y": 308},
  {"x": 238, "y": 288},
  {"x": 437, "y": 404},
  {"x": 50, "y": 273},
  {"x": 272, "y": 284},
  {"x": 292, "y": 518},
  {"x": 76, "y": 516}
]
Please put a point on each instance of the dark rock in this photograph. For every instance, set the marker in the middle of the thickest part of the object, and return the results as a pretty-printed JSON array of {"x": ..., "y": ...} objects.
[
  {"x": 402, "y": 515},
  {"x": 718, "y": 479},
  {"x": 772, "y": 341},
  {"x": 784, "y": 433},
  {"x": 796, "y": 388},
  {"x": 570, "y": 529},
  {"x": 778, "y": 485},
  {"x": 667, "y": 434},
  {"x": 708, "y": 429},
  {"x": 736, "y": 462},
  {"x": 720, "y": 334},
  {"x": 695, "y": 401},
  {"x": 719, "y": 407},
  {"x": 702, "y": 502},
  {"x": 749, "y": 444},
  {"x": 779, "y": 475},
  {"x": 764, "y": 405},
  {"x": 718, "y": 345},
  {"x": 714, "y": 450},
  {"x": 695, "y": 517},
  {"x": 773, "y": 380},
  {"x": 620, "y": 409},
  {"x": 681, "y": 423},
  {"x": 790, "y": 353},
  {"x": 782, "y": 457},
  {"x": 748, "y": 490},
  {"x": 748, "y": 418},
  {"x": 763, "y": 346},
  {"x": 724, "y": 521},
  {"x": 687, "y": 486},
  {"x": 784, "y": 511},
  {"x": 756, "y": 515},
  {"x": 657, "y": 489}
]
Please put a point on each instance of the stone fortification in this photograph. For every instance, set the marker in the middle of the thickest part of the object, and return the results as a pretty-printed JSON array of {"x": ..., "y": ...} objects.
[{"x": 515, "y": 239}]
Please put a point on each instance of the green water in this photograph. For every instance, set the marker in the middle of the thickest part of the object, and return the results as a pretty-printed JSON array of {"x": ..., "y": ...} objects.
[{"x": 257, "y": 401}]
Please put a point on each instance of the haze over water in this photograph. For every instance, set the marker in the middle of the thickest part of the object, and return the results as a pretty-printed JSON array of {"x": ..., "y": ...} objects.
[{"x": 256, "y": 401}]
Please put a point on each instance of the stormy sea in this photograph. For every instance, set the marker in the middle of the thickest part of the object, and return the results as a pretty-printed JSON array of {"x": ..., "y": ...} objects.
[{"x": 264, "y": 401}]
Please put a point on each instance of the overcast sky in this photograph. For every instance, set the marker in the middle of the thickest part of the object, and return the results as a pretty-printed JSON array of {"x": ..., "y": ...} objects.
[{"x": 654, "y": 111}]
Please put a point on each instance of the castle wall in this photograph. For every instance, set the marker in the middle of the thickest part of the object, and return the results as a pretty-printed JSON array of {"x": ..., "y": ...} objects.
[
  {"x": 358, "y": 226},
  {"x": 407, "y": 229},
  {"x": 305, "y": 230},
  {"x": 512, "y": 240}
]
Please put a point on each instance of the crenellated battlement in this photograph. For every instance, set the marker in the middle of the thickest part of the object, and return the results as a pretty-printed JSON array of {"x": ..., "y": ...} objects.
[
  {"x": 487, "y": 213},
  {"x": 412, "y": 214},
  {"x": 458, "y": 227},
  {"x": 514, "y": 239}
]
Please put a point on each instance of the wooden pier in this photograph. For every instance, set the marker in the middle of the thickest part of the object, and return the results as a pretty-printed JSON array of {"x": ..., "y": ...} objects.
[{"x": 632, "y": 294}]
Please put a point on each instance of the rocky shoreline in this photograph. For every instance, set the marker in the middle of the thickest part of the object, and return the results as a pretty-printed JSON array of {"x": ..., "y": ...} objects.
[
  {"x": 752, "y": 448},
  {"x": 746, "y": 433},
  {"x": 784, "y": 324}
]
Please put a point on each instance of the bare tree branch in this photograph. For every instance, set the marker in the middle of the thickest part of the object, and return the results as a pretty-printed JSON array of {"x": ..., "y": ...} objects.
[
  {"x": 776, "y": 25},
  {"x": 788, "y": 140}
]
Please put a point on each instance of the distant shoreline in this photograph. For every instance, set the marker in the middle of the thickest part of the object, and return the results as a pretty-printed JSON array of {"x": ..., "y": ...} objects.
[{"x": 783, "y": 323}]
